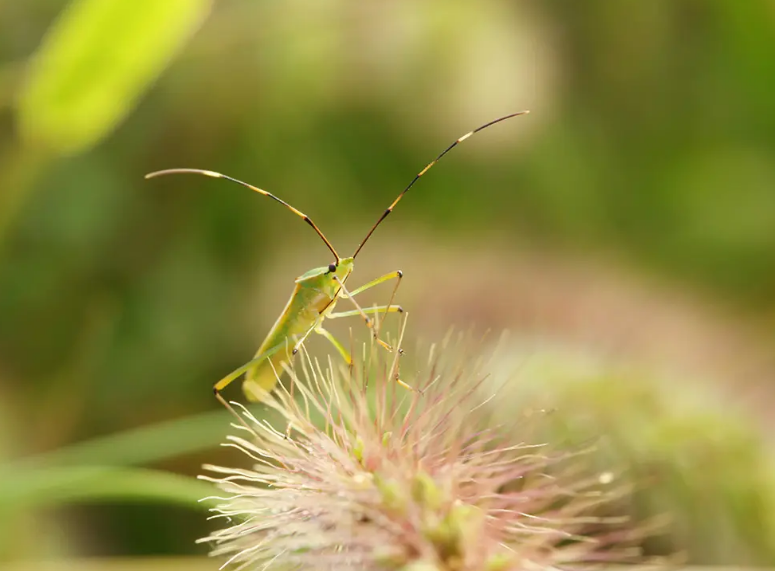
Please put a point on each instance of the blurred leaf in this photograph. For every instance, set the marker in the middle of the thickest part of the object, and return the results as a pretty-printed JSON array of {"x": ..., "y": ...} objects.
[
  {"x": 141, "y": 445},
  {"x": 117, "y": 564},
  {"x": 68, "y": 484},
  {"x": 95, "y": 62}
]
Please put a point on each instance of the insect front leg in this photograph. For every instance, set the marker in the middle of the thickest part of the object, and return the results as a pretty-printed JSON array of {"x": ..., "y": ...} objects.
[
  {"x": 364, "y": 313},
  {"x": 397, "y": 275},
  {"x": 346, "y": 354}
]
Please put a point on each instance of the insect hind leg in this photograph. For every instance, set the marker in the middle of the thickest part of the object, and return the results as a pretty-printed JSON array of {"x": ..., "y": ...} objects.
[{"x": 239, "y": 371}]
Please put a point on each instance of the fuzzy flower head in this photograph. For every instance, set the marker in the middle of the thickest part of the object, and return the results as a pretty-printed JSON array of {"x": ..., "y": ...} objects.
[{"x": 358, "y": 472}]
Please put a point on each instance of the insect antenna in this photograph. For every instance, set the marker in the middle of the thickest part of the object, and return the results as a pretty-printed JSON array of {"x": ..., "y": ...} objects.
[
  {"x": 427, "y": 168},
  {"x": 214, "y": 174}
]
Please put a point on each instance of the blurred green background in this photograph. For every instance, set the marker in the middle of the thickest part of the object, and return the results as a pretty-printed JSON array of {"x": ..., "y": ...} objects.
[{"x": 630, "y": 216}]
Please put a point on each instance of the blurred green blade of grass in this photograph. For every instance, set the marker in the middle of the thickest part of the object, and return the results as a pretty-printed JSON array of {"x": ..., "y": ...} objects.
[
  {"x": 118, "y": 564},
  {"x": 205, "y": 564},
  {"x": 69, "y": 484},
  {"x": 95, "y": 62},
  {"x": 141, "y": 445}
]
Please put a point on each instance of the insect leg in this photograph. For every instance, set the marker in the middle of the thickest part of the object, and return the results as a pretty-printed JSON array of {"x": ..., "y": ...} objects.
[
  {"x": 367, "y": 311},
  {"x": 397, "y": 275},
  {"x": 301, "y": 341},
  {"x": 236, "y": 373},
  {"x": 339, "y": 347},
  {"x": 362, "y": 313},
  {"x": 346, "y": 354}
]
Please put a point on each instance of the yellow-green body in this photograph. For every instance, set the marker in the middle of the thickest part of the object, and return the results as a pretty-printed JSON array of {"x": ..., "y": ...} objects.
[{"x": 314, "y": 297}]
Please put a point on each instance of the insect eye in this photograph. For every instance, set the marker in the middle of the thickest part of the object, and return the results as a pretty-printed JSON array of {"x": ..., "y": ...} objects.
[{"x": 331, "y": 268}]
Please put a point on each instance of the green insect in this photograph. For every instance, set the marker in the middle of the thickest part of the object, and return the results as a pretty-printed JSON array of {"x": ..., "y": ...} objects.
[{"x": 315, "y": 295}]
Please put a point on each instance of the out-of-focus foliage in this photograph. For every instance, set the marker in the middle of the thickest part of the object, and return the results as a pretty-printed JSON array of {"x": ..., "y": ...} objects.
[
  {"x": 94, "y": 62},
  {"x": 691, "y": 455},
  {"x": 650, "y": 140}
]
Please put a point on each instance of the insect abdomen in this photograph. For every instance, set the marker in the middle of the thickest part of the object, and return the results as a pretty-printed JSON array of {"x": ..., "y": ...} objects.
[{"x": 299, "y": 315}]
